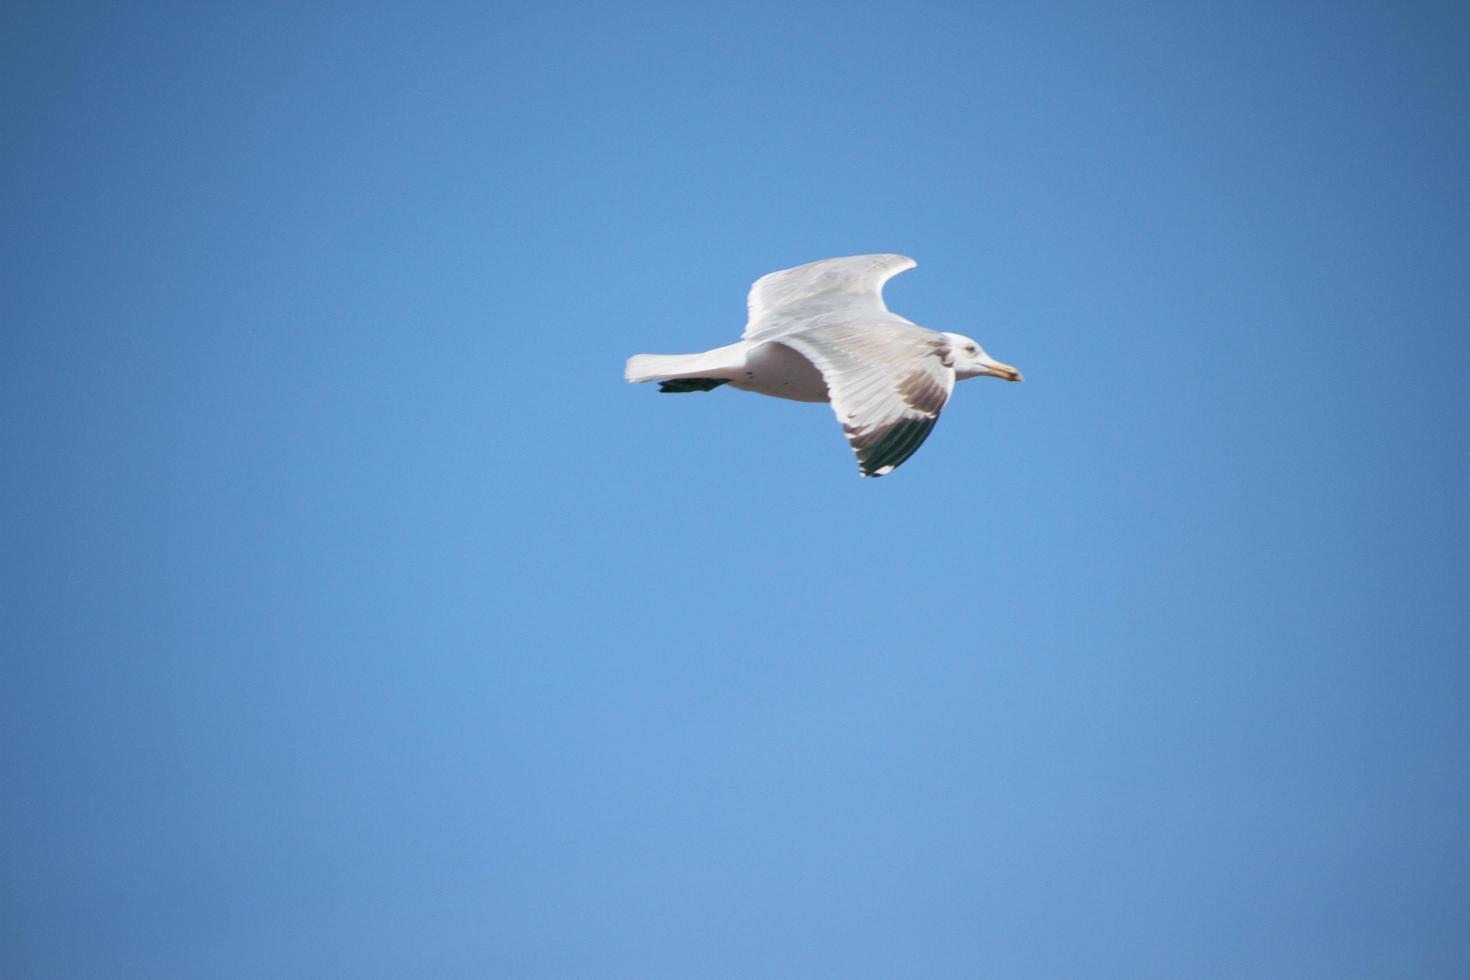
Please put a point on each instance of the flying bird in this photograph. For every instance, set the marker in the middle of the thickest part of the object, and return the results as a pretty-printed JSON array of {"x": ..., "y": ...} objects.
[{"x": 820, "y": 333}]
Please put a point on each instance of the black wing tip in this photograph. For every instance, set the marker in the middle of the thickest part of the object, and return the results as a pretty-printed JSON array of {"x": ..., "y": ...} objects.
[
  {"x": 901, "y": 441},
  {"x": 678, "y": 386}
]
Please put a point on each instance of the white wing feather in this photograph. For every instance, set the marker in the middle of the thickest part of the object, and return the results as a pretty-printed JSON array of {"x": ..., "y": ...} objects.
[
  {"x": 782, "y": 302},
  {"x": 888, "y": 384}
]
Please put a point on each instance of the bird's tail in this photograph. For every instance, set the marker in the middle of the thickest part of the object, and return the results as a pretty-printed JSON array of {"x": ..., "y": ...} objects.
[{"x": 718, "y": 365}]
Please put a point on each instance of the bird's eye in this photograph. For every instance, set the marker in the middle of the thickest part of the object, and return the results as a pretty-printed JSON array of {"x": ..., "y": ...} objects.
[{"x": 970, "y": 349}]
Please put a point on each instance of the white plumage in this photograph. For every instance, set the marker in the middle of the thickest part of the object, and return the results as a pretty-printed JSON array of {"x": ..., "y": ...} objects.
[{"x": 821, "y": 333}]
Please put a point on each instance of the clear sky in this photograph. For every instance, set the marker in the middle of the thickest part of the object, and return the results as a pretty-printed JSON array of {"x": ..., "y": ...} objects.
[{"x": 360, "y": 621}]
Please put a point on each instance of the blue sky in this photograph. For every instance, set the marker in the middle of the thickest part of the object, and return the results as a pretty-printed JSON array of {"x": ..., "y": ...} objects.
[{"x": 360, "y": 621}]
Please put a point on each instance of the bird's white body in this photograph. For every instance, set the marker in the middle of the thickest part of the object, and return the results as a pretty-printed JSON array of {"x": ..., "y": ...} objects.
[{"x": 820, "y": 333}]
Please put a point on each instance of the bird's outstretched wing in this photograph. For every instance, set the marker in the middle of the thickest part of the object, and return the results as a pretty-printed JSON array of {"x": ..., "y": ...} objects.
[
  {"x": 888, "y": 384},
  {"x": 780, "y": 301}
]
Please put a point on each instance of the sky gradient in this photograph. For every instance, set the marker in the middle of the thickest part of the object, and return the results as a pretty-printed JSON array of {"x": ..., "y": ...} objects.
[{"x": 359, "y": 620}]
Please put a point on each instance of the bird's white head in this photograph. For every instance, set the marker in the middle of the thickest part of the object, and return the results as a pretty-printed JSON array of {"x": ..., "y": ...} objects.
[{"x": 971, "y": 361}]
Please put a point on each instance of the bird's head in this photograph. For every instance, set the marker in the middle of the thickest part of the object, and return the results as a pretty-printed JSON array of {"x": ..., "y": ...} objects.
[{"x": 971, "y": 361}]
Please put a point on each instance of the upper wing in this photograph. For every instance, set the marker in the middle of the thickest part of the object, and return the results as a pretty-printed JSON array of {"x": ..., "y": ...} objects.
[
  {"x": 888, "y": 385},
  {"x": 848, "y": 285}
]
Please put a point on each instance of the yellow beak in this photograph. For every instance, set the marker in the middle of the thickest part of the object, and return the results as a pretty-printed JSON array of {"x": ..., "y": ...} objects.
[{"x": 998, "y": 370}]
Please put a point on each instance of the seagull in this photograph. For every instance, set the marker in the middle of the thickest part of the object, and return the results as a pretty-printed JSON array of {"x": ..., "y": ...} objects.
[{"x": 820, "y": 333}]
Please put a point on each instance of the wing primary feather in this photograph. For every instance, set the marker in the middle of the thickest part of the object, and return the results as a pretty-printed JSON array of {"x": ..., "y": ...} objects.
[{"x": 895, "y": 446}]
